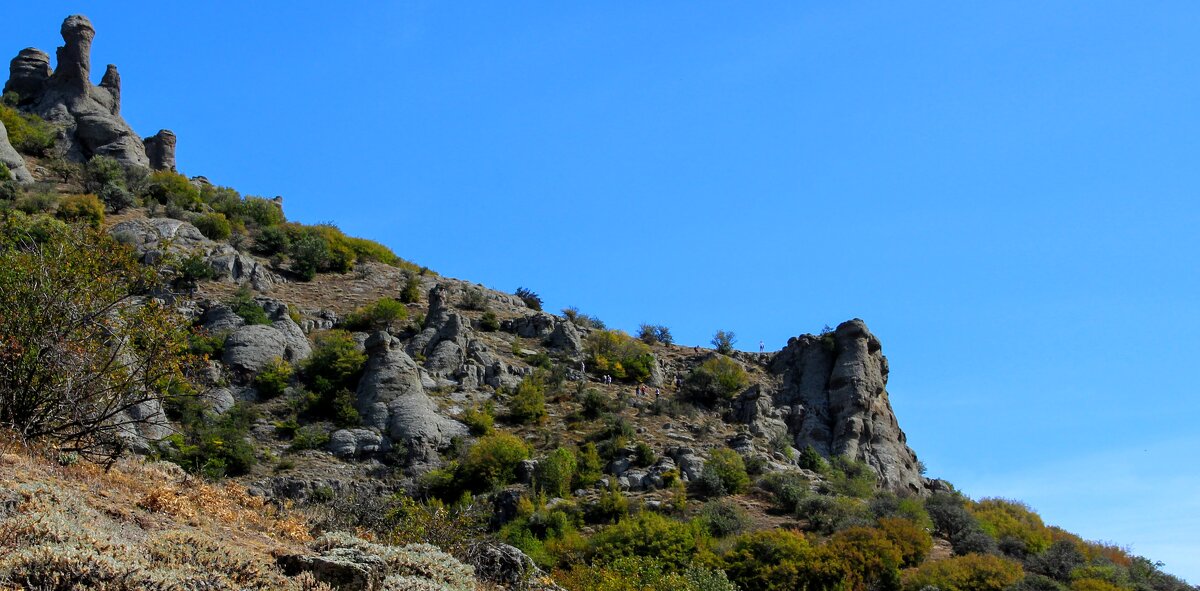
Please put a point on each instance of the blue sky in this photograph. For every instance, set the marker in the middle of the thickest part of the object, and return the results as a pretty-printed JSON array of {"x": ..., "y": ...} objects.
[{"x": 1005, "y": 192}]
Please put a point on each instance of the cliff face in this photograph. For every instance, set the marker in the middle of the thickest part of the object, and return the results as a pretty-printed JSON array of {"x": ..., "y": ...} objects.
[{"x": 832, "y": 395}]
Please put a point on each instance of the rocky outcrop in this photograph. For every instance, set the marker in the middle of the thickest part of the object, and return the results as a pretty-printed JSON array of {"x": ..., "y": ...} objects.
[
  {"x": 833, "y": 396},
  {"x": 160, "y": 149},
  {"x": 28, "y": 74},
  {"x": 153, "y": 238},
  {"x": 88, "y": 115},
  {"x": 12, "y": 160},
  {"x": 391, "y": 399}
]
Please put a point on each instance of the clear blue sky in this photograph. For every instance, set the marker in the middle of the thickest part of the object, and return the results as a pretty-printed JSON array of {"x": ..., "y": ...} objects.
[{"x": 1005, "y": 192}]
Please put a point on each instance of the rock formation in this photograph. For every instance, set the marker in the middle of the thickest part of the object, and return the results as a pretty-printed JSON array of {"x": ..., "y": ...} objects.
[
  {"x": 832, "y": 396},
  {"x": 160, "y": 149},
  {"x": 88, "y": 115},
  {"x": 11, "y": 159}
]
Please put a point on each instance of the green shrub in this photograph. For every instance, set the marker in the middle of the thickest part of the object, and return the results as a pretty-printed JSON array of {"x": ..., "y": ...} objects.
[
  {"x": 787, "y": 489},
  {"x": 781, "y": 560},
  {"x": 273, "y": 380},
  {"x": 528, "y": 403},
  {"x": 260, "y": 212},
  {"x": 82, "y": 209},
  {"x": 411, "y": 293},
  {"x": 643, "y": 455},
  {"x": 648, "y": 535},
  {"x": 912, "y": 540},
  {"x": 827, "y": 514},
  {"x": 489, "y": 322},
  {"x": 272, "y": 240},
  {"x": 615, "y": 353},
  {"x": 871, "y": 558},
  {"x": 205, "y": 345},
  {"x": 332, "y": 372},
  {"x": 171, "y": 188},
  {"x": 101, "y": 172},
  {"x": 723, "y": 342},
  {"x": 214, "y": 226},
  {"x": 309, "y": 437},
  {"x": 651, "y": 334},
  {"x": 492, "y": 461},
  {"x": 810, "y": 459},
  {"x": 479, "y": 418},
  {"x": 190, "y": 271},
  {"x": 886, "y": 504},
  {"x": 39, "y": 202},
  {"x": 243, "y": 305},
  {"x": 1002, "y": 518},
  {"x": 722, "y": 518},
  {"x": 28, "y": 133},
  {"x": 716, "y": 379},
  {"x": 595, "y": 404},
  {"x": 308, "y": 253},
  {"x": 554, "y": 473},
  {"x": 116, "y": 198},
  {"x": 726, "y": 469},
  {"x": 531, "y": 299},
  {"x": 473, "y": 299},
  {"x": 974, "y": 572},
  {"x": 641, "y": 574},
  {"x": 214, "y": 446},
  {"x": 381, "y": 314},
  {"x": 852, "y": 478},
  {"x": 589, "y": 468}
]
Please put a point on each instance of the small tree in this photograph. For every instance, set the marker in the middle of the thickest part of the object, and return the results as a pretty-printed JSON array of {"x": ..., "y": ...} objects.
[
  {"x": 723, "y": 341},
  {"x": 531, "y": 299},
  {"x": 80, "y": 348}
]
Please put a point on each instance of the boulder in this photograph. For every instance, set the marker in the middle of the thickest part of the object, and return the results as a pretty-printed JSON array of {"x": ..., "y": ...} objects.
[
  {"x": 160, "y": 149},
  {"x": 250, "y": 349},
  {"x": 351, "y": 443},
  {"x": 12, "y": 159},
  {"x": 392, "y": 400},
  {"x": 28, "y": 74},
  {"x": 219, "y": 318}
]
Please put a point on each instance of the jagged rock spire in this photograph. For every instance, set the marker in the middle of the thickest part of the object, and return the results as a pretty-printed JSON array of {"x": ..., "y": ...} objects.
[
  {"x": 74, "y": 58},
  {"x": 160, "y": 148}
]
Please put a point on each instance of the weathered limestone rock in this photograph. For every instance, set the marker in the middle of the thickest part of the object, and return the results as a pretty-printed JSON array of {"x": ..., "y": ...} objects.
[
  {"x": 12, "y": 159},
  {"x": 160, "y": 149},
  {"x": 392, "y": 400},
  {"x": 154, "y": 237},
  {"x": 351, "y": 443},
  {"x": 28, "y": 74},
  {"x": 88, "y": 115},
  {"x": 833, "y": 398}
]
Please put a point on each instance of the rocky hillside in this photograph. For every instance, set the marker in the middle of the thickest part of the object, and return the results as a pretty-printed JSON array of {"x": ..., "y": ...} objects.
[{"x": 327, "y": 385}]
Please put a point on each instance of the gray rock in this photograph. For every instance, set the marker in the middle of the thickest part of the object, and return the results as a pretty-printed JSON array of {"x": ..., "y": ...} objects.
[
  {"x": 220, "y": 400},
  {"x": 28, "y": 74},
  {"x": 13, "y": 160},
  {"x": 526, "y": 471},
  {"x": 160, "y": 149},
  {"x": 833, "y": 387},
  {"x": 219, "y": 318},
  {"x": 350, "y": 443},
  {"x": 250, "y": 349},
  {"x": 89, "y": 116},
  {"x": 341, "y": 568},
  {"x": 565, "y": 338},
  {"x": 392, "y": 400},
  {"x": 152, "y": 238}
]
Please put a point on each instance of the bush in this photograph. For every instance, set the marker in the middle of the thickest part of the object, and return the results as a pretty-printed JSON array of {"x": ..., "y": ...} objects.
[
  {"x": 28, "y": 133},
  {"x": 190, "y": 271},
  {"x": 871, "y": 558},
  {"x": 273, "y": 380},
  {"x": 886, "y": 504},
  {"x": 722, "y": 518},
  {"x": 974, "y": 572},
  {"x": 79, "y": 346},
  {"x": 332, "y": 372},
  {"x": 589, "y": 467},
  {"x": 473, "y": 299},
  {"x": 117, "y": 198},
  {"x": 492, "y": 461},
  {"x": 214, "y": 446},
  {"x": 725, "y": 466},
  {"x": 214, "y": 226},
  {"x": 101, "y": 172},
  {"x": 554, "y": 473},
  {"x": 261, "y": 213},
  {"x": 913, "y": 542},
  {"x": 82, "y": 209},
  {"x": 723, "y": 342},
  {"x": 309, "y": 254},
  {"x": 648, "y": 535},
  {"x": 309, "y": 437},
  {"x": 479, "y": 419},
  {"x": 641, "y": 574},
  {"x": 531, "y": 299},
  {"x": 381, "y": 314},
  {"x": 489, "y": 322},
  {"x": 272, "y": 240},
  {"x": 1001, "y": 519},
  {"x": 243, "y": 305},
  {"x": 617, "y": 354},
  {"x": 826, "y": 514},
  {"x": 781, "y": 559},
  {"x": 171, "y": 188},
  {"x": 528, "y": 403},
  {"x": 787, "y": 489},
  {"x": 852, "y": 478},
  {"x": 651, "y": 334},
  {"x": 716, "y": 379}
]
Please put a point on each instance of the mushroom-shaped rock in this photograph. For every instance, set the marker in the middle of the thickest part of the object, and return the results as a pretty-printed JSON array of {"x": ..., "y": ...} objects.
[
  {"x": 74, "y": 58},
  {"x": 160, "y": 149},
  {"x": 28, "y": 73}
]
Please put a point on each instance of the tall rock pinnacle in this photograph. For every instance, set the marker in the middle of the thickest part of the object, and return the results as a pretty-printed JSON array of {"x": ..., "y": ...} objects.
[{"x": 74, "y": 58}]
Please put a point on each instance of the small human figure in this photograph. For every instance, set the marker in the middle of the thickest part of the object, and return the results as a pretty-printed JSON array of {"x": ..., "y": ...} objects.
[
  {"x": 656, "y": 393},
  {"x": 582, "y": 367},
  {"x": 761, "y": 347}
]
